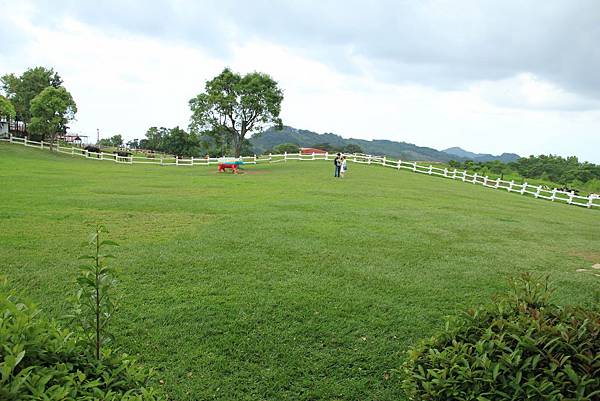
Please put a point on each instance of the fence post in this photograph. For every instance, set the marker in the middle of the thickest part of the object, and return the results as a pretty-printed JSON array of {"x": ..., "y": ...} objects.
[
  {"x": 177, "y": 160},
  {"x": 430, "y": 169},
  {"x": 464, "y": 177},
  {"x": 384, "y": 161},
  {"x": 25, "y": 141},
  {"x": 161, "y": 161},
  {"x": 474, "y": 180},
  {"x": 524, "y": 188},
  {"x": 327, "y": 156},
  {"x": 485, "y": 180},
  {"x": 510, "y": 185},
  {"x": 553, "y": 195},
  {"x": 369, "y": 160},
  {"x": 454, "y": 174},
  {"x": 72, "y": 151},
  {"x": 254, "y": 159},
  {"x": 192, "y": 160},
  {"x": 497, "y": 182},
  {"x": 10, "y": 138},
  {"x": 42, "y": 145},
  {"x": 539, "y": 189},
  {"x": 414, "y": 167},
  {"x": 399, "y": 164},
  {"x": 571, "y": 194},
  {"x": 590, "y": 199},
  {"x": 270, "y": 155}
]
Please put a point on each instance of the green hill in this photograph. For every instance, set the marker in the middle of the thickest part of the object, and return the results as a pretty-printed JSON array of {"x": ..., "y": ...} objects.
[
  {"x": 402, "y": 150},
  {"x": 481, "y": 157}
]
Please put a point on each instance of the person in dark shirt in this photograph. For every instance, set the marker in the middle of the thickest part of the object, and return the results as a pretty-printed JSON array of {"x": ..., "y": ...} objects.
[{"x": 337, "y": 162}]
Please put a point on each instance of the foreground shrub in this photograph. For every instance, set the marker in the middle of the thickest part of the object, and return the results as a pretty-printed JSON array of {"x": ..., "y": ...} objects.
[
  {"x": 522, "y": 347},
  {"x": 41, "y": 361}
]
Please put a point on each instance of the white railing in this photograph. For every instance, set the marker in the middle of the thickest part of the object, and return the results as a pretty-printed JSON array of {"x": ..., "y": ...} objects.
[{"x": 538, "y": 191}]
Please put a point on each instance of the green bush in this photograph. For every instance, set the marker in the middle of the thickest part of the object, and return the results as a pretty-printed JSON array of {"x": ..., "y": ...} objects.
[
  {"x": 41, "y": 361},
  {"x": 522, "y": 347},
  {"x": 286, "y": 147}
]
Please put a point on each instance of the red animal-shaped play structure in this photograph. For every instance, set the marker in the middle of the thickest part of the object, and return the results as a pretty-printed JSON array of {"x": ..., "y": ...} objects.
[{"x": 224, "y": 166}]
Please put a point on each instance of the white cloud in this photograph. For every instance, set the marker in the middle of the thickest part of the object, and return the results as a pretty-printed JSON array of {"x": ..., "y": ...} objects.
[
  {"x": 527, "y": 91},
  {"x": 125, "y": 82}
]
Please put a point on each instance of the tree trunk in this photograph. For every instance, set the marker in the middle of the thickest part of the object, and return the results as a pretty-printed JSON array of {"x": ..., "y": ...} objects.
[{"x": 239, "y": 139}]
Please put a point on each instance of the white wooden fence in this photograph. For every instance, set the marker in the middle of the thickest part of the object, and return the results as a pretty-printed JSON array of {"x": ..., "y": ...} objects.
[{"x": 591, "y": 201}]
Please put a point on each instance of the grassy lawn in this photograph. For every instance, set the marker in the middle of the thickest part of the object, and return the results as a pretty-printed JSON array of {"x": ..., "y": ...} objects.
[{"x": 282, "y": 283}]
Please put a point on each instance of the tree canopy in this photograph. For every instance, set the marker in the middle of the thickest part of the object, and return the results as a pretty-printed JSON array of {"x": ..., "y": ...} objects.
[
  {"x": 286, "y": 147},
  {"x": 181, "y": 143},
  {"x": 233, "y": 105},
  {"x": 21, "y": 90},
  {"x": 567, "y": 171},
  {"x": 175, "y": 141},
  {"x": 51, "y": 111},
  {"x": 352, "y": 148},
  {"x": 7, "y": 110},
  {"x": 115, "y": 141}
]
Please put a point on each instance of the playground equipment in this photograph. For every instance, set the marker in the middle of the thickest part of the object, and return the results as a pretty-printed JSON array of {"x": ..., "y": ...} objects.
[{"x": 231, "y": 164}]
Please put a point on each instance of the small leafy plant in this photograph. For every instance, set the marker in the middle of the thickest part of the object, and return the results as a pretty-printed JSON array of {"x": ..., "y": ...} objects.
[
  {"x": 95, "y": 300},
  {"x": 522, "y": 347},
  {"x": 39, "y": 360}
]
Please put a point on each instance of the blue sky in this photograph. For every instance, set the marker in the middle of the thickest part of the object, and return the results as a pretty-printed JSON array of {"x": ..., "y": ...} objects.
[{"x": 489, "y": 76}]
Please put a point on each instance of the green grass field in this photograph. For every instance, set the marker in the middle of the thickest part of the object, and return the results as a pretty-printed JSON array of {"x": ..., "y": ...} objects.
[{"x": 282, "y": 283}]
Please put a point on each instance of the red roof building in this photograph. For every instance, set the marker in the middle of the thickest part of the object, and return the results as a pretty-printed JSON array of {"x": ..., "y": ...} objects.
[{"x": 310, "y": 151}]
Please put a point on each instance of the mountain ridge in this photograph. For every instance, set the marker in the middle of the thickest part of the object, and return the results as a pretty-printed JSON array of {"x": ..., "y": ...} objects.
[
  {"x": 481, "y": 157},
  {"x": 271, "y": 137}
]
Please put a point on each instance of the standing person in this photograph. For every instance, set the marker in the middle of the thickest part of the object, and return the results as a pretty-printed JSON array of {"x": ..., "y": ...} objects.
[
  {"x": 337, "y": 162},
  {"x": 344, "y": 167}
]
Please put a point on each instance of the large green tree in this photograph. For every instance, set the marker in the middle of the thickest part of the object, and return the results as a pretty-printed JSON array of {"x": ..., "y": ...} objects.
[
  {"x": 286, "y": 147},
  {"x": 51, "y": 111},
  {"x": 235, "y": 105},
  {"x": 181, "y": 143},
  {"x": 7, "y": 110},
  {"x": 155, "y": 138},
  {"x": 21, "y": 90},
  {"x": 114, "y": 141},
  {"x": 352, "y": 148}
]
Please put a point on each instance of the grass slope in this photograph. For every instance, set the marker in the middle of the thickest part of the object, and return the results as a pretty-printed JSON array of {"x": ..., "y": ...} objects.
[{"x": 284, "y": 284}]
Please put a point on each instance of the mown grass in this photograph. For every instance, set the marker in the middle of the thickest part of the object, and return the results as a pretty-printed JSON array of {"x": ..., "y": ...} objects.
[{"x": 282, "y": 283}]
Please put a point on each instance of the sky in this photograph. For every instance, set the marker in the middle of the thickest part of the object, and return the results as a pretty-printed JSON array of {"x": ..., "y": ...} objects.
[{"x": 488, "y": 76}]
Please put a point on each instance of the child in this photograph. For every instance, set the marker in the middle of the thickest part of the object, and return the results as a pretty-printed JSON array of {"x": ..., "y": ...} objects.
[{"x": 344, "y": 167}]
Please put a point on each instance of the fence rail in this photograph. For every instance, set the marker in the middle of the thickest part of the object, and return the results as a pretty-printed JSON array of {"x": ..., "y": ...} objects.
[{"x": 538, "y": 192}]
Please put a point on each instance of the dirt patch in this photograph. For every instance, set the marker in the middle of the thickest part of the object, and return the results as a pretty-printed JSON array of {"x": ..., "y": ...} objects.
[
  {"x": 591, "y": 256},
  {"x": 242, "y": 172}
]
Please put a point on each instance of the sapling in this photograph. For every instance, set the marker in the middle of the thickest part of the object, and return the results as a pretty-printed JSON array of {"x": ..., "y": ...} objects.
[{"x": 95, "y": 303}]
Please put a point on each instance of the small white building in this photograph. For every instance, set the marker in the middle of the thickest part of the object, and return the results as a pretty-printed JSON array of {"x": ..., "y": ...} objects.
[{"x": 3, "y": 128}]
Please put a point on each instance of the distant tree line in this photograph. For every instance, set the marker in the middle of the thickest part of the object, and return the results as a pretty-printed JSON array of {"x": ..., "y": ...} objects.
[
  {"x": 567, "y": 171},
  {"x": 114, "y": 141},
  {"x": 230, "y": 108},
  {"x": 179, "y": 142},
  {"x": 37, "y": 102}
]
